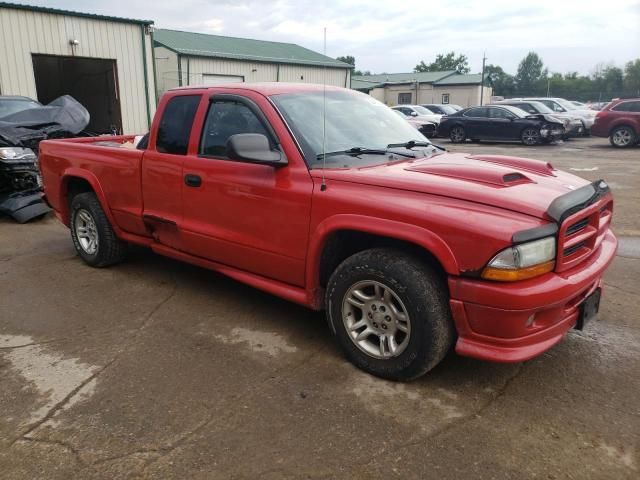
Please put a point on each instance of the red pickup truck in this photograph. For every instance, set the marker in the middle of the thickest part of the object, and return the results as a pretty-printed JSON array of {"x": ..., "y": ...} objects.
[{"x": 327, "y": 198}]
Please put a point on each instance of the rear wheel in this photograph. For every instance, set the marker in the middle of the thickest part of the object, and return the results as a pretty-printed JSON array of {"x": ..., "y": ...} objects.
[
  {"x": 623, "y": 137},
  {"x": 457, "y": 134},
  {"x": 530, "y": 136},
  {"x": 390, "y": 313},
  {"x": 92, "y": 234}
]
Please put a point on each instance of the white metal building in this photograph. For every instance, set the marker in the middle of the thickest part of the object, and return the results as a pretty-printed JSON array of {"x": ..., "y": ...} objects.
[
  {"x": 185, "y": 58},
  {"x": 106, "y": 63},
  {"x": 426, "y": 87}
]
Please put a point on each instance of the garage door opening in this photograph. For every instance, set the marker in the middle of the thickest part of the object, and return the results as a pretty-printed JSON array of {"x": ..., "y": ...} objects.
[{"x": 91, "y": 81}]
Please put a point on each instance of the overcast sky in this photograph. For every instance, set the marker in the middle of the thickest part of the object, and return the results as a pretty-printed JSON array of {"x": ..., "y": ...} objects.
[{"x": 393, "y": 36}]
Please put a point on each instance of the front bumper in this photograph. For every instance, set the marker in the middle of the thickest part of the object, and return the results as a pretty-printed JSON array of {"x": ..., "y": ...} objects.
[
  {"x": 24, "y": 206},
  {"x": 513, "y": 322}
]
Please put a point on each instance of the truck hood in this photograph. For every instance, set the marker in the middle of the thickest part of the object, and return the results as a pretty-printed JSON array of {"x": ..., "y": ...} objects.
[{"x": 519, "y": 184}]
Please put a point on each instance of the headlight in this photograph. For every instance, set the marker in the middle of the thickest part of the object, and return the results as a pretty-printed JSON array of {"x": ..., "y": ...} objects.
[
  {"x": 522, "y": 261},
  {"x": 16, "y": 154}
]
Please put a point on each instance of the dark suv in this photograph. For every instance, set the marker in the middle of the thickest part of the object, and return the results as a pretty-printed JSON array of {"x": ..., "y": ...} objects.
[{"x": 620, "y": 121}]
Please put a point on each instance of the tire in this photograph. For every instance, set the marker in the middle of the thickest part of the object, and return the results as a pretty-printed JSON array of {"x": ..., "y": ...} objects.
[
  {"x": 92, "y": 234},
  {"x": 417, "y": 313},
  {"x": 623, "y": 137},
  {"x": 530, "y": 136},
  {"x": 457, "y": 134}
]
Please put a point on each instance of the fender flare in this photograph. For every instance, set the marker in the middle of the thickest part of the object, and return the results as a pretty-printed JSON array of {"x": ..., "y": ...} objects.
[
  {"x": 384, "y": 227},
  {"x": 97, "y": 189}
]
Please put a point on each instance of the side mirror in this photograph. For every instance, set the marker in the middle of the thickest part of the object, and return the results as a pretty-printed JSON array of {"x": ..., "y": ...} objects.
[
  {"x": 254, "y": 148},
  {"x": 414, "y": 114}
]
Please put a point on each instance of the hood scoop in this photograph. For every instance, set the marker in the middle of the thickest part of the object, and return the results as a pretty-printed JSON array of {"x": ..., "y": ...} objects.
[
  {"x": 499, "y": 177},
  {"x": 534, "y": 166}
]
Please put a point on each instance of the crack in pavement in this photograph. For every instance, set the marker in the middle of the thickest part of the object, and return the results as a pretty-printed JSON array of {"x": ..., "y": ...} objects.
[
  {"x": 125, "y": 346},
  {"x": 59, "y": 443},
  {"x": 451, "y": 425}
]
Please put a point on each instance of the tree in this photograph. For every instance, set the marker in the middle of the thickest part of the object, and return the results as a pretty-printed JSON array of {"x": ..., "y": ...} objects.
[
  {"x": 531, "y": 77},
  {"x": 348, "y": 59},
  {"x": 447, "y": 61},
  {"x": 632, "y": 76},
  {"x": 351, "y": 60},
  {"x": 501, "y": 81}
]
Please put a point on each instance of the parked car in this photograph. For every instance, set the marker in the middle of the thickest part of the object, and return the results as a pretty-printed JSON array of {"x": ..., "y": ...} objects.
[
  {"x": 503, "y": 123},
  {"x": 408, "y": 248},
  {"x": 24, "y": 123},
  {"x": 560, "y": 105},
  {"x": 419, "y": 113},
  {"x": 428, "y": 129},
  {"x": 440, "y": 108},
  {"x": 10, "y": 104},
  {"x": 620, "y": 121},
  {"x": 457, "y": 108},
  {"x": 580, "y": 104},
  {"x": 572, "y": 124}
]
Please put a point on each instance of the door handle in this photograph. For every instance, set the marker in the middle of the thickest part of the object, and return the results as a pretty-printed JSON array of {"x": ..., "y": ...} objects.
[{"x": 191, "y": 180}]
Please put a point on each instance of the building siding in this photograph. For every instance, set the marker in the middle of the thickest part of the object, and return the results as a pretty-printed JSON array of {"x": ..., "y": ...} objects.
[
  {"x": 23, "y": 33},
  {"x": 191, "y": 70}
]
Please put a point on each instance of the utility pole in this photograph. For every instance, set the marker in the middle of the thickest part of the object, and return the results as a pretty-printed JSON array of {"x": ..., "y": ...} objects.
[
  {"x": 548, "y": 85},
  {"x": 484, "y": 59}
]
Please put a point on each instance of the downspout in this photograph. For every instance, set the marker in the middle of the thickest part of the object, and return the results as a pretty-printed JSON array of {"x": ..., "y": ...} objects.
[
  {"x": 278, "y": 72},
  {"x": 155, "y": 73},
  {"x": 146, "y": 77},
  {"x": 188, "y": 74},
  {"x": 179, "y": 69}
]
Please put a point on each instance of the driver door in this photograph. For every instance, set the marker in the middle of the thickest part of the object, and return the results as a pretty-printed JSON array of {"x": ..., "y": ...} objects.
[{"x": 249, "y": 216}]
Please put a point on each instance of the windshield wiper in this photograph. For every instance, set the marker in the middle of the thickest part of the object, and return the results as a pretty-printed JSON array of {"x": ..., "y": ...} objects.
[
  {"x": 415, "y": 143},
  {"x": 355, "y": 151}
]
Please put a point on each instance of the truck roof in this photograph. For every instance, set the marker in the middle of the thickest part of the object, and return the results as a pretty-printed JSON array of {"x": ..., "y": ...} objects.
[{"x": 266, "y": 88}]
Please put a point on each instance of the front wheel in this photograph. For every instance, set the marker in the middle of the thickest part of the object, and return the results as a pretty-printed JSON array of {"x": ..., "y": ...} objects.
[
  {"x": 390, "y": 313},
  {"x": 623, "y": 137},
  {"x": 92, "y": 234},
  {"x": 457, "y": 134},
  {"x": 530, "y": 136}
]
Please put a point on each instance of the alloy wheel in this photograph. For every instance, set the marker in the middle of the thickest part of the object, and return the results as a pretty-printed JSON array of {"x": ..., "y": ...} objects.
[
  {"x": 530, "y": 136},
  {"x": 376, "y": 320},
  {"x": 621, "y": 137},
  {"x": 86, "y": 231}
]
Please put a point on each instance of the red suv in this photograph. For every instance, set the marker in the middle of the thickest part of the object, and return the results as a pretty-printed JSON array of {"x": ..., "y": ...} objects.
[{"x": 620, "y": 121}]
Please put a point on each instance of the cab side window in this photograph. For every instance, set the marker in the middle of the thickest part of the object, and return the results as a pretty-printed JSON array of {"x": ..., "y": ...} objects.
[
  {"x": 500, "y": 113},
  {"x": 478, "y": 112},
  {"x": 227, "y": 118},
  {"x": 176, "y": 123}
]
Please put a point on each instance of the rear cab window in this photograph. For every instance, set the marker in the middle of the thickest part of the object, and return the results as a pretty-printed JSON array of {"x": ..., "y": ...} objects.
[{"x": 176, "y": 123}]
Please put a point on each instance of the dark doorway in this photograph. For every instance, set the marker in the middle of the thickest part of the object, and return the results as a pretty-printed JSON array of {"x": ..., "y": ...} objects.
[{"x": 91, "y": 81}]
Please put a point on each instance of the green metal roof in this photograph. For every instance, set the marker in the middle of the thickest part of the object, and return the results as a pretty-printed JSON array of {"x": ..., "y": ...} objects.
[
  {"x": 462, "y": 79},
  {"x": 412, "y": 77},
  {"x": 204, "y": 45},
  {"x": 70, "y": 13},
  {"x": 358, "y": 84},
  {"x": 448, "y": 77}
]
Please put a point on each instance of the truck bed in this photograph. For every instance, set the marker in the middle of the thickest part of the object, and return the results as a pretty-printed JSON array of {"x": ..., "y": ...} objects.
[{"x": 112, "y": 159}]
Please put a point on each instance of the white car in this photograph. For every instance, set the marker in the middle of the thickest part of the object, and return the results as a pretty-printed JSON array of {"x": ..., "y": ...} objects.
[
  {"x": 560, "y": 105},
  {"x": 419, "y": 113}
]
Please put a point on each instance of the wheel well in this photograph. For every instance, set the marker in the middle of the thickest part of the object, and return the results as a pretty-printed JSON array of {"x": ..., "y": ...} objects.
[
  {"x": 344, "y": 243},
  {"x": 75, "y": 186}
]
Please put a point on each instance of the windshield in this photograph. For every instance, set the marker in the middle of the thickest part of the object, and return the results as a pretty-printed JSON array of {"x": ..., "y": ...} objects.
[
  {"x": 10, "y": 106},
  {"x": 448, "y": 109},
  {"x": 566, "y": 104},
  {"x": 541, "y": 107},
  {"x": 353, "y": 119},
  {"x": 422, "y": 110}
]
